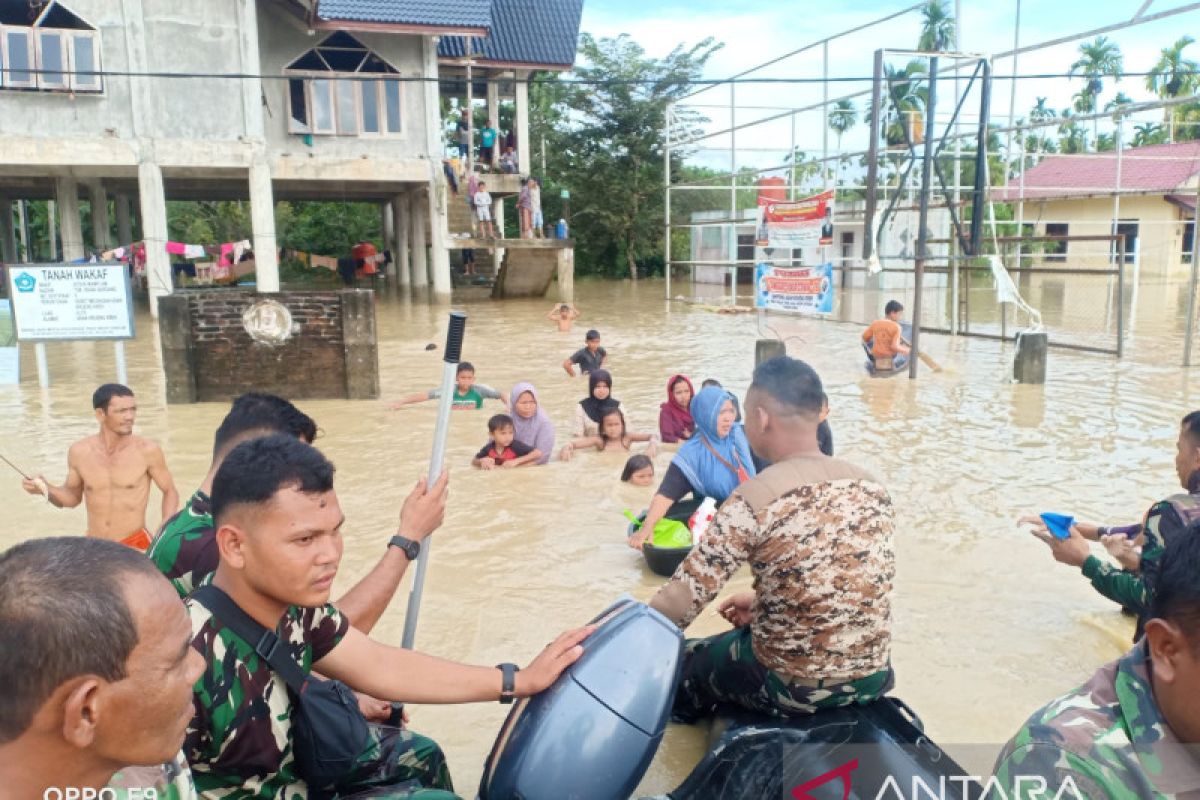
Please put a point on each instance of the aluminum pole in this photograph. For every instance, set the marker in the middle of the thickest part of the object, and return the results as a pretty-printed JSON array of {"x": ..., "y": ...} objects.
[
  {"x": 923, "y": 218},
  {"x": 667, "y": 193},
  {"x": 1012, "y": 90},
  {"x": 452, "y": 354},
  {"x": 825, "y": 109},
  {"x": 873, "y": 157},
  {"x": 733, "y": 227}
]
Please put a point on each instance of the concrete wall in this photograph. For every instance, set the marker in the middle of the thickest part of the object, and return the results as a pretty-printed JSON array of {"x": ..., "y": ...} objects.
[
  {"x": 208, "y": 356},
  {"x": 1160, "y": 231}
]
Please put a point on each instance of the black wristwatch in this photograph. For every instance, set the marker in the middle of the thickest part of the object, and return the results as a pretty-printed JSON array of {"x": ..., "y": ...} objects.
[
  {"x": 407, "y": 546},
  {"x": 508, "y": 683}
]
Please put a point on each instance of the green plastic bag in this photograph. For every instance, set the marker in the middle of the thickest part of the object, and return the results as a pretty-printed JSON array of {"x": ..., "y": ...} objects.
[{"x": 668, "y": 533}]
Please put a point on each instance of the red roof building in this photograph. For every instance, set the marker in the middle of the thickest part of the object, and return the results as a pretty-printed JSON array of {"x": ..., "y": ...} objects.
[{"x": 1151, "y": 191}]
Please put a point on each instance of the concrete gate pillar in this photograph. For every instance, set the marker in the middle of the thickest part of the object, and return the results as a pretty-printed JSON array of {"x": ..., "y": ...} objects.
[
  {"x": 524, "y": 146},
  {"x": 262, "y": 218},
  {"x": 387, "y": 230},
  {"x": 101, "y": 232},
  {"x": 153, "y": 213},
  {"x": 402, "y": 209},
  {"x": 66, "y": 192},
  {"x": 124, "y": 223},
  {"x": 439, "y": 233}
]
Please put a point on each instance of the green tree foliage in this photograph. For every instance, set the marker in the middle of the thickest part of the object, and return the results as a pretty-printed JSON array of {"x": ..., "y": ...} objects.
[
  {"x": 604, "y": 140},
  {"x": 842, "y": 118},
  {"x": 1098, "y": 59},
  {"x": 937, "y": 27},
  {"x": 1173, "y": 76}
]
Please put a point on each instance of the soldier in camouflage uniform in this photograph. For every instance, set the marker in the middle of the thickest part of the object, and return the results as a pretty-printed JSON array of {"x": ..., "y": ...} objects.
[
  {"x": 97, "y": 672},
  {"x": 278, "y": 526},
  {"x": 1133, "y": 586},
  {"x": 817, "y": 532},
  {"x": 1133, "y": 730}
]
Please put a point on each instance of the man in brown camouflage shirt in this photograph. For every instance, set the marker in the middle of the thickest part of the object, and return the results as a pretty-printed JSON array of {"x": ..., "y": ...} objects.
[{"x": 817, "y": 532}]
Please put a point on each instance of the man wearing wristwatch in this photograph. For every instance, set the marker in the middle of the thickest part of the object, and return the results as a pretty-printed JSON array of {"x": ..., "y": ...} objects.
[
  {"x": 278, "y": 529},
  {"x": 1138, "y": 548}
]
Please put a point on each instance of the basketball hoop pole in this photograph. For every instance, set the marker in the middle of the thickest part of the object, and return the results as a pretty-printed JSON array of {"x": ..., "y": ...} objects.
[{"x": 923, "y": 219}]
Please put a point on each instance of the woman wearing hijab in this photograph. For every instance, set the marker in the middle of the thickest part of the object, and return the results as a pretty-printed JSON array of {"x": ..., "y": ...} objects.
[
  {"x": 712, "y": 463},
  {"x": 675, "y": 422},
  {"x": 591, "y": 409},
  {"x": 532, "y": 425}
]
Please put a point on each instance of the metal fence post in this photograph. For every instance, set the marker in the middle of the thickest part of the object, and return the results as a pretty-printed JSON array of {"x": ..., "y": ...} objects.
[{"x": 1121, "y": 302}]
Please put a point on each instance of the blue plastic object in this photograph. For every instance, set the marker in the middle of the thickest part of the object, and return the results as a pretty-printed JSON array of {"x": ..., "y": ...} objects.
[
  {"x": 560, "y": 229},
  {"x": 1058, "y": 524},
  {"x": 593, "y": 734}
]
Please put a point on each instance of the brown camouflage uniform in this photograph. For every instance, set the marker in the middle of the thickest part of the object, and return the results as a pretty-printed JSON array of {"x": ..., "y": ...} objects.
[
  {"x": 817, "y": 533},
  {"x": 1106, "y": 739}
]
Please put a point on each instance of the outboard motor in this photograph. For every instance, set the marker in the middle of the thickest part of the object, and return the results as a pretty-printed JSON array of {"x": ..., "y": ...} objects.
[
  {"x": 876, "y": 750},
  {"x": 593, "y": 734}
]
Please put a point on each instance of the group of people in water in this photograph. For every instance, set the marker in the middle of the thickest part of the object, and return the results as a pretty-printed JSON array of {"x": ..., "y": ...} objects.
[{"x": 111, "y": 659}]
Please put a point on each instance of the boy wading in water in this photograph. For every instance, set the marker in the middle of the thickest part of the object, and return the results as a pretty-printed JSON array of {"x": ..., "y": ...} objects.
[{"x": 111, "y": 473}]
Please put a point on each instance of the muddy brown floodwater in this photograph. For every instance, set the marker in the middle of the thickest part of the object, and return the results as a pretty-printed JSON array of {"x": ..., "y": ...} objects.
[{"x": 987, "y": 626}]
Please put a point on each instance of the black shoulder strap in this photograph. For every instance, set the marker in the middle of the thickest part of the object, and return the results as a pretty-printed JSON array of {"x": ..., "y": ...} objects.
[{"x": 265, "y": 642}]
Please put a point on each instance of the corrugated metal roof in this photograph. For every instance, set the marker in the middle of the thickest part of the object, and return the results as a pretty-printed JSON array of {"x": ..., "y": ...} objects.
[
  {"x": 525, "y": 32},
  {"x": 440, "y": 13},
  {"x": 1155, "y": 168}
]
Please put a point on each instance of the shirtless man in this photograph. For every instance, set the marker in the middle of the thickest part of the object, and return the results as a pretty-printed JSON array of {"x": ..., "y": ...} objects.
[{"x": 112, "y": 472}]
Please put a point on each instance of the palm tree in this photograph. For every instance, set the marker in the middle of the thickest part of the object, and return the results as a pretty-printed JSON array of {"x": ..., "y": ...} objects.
[
  {"x": 1040, "y": 113},
  {"x": 842, "y": 118},
  {"x": 1173, "y": 76},
  {"x": 1097, "y": 60},
  {"x": 1072, "y": 138},
  {"x": 937, "y": 27},
  {"x": 1120, "y": 100},
  {"x": 1148, "y": 133}
]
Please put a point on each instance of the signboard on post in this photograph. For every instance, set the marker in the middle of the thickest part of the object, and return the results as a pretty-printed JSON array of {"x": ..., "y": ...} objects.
[
  {"x": 807, "y": 222},
  {"x": 60, "y": 302},
  {"x": 794, "y": 288}
]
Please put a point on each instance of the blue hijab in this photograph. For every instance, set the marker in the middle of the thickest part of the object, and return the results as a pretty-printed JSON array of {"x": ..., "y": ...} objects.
[{"x": 708, "y": 476}]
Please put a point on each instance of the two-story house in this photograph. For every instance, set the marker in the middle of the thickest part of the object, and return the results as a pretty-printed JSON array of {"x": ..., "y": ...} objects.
[{"x": 142, "y": 101}]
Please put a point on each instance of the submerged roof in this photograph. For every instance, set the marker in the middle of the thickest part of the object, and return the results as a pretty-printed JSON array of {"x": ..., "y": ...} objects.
[
  {"x": 1159, "y": 168},
  {"x": 534, "y": 32},
  {"x": 440, "y": 14}
]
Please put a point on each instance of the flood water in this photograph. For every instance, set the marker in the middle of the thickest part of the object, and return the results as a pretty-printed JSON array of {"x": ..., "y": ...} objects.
[{"x": 987, "y": 626}]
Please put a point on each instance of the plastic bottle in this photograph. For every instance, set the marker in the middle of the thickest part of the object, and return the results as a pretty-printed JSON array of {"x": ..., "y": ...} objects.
[
  {"x": 560, "y": 230},
  {"x": 701, "y": 518}
]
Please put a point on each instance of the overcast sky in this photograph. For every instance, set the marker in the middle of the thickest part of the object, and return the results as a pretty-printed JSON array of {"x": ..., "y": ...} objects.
[{"x": 755, "y": 32}]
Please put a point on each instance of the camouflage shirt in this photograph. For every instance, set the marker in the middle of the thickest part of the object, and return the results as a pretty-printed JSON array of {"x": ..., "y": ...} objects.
[
  {"x": 170, "y": 781},
  {"x": 185, "y": 550},
  {"x": 1108, "y": 737},
  {"x": 239, "y": 741},
  {"x": 817, "y": 533}
]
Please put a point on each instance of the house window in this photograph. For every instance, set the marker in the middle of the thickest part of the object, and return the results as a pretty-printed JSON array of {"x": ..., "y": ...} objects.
[
  {"x": 1130, "y": 231},
  {"x": 333, "y": 91},
  {"x": 1057, "y": 251},
  {"x": 847, "y": 246},
  {"x": 1189, "y": 237},
  {"x": 55, "y": 50}
]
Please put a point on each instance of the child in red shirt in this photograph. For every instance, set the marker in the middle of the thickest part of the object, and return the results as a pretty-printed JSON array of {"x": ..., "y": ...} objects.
[{"x": 502, "y": 449}]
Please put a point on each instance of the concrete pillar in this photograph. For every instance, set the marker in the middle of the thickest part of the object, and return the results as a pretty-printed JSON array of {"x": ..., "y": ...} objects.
[
  {"x": 524, "y": 151},
  {"x": 498, "y": 217},
  {"x": 493, "y": 112},
  {"x": 178, "y": 357},
  {"x": 153, "y": 213},
  {"x": 439, "y": 234},
  {"x": 51, "y": 233},
  {"x": 419, "y": 221},
  {"x": 360, "y": 344},
  {"x": 8, "y": 234},
  {"x": 1029, "y": 366},
  {"x": 402, "y": 208},
  {"x": 66, "y": 192},
  {"x": 124, "y": 224},
  {"x": 262, "y": 219},
  {"x": 566, "y": 275},
  {"x": 101, "y": 233},
  {"x": 23, "y": 231},
  {"x": 387, "y": 228}
]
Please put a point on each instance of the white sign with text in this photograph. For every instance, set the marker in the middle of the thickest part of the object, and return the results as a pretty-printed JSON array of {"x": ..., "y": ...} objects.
[{"x": 55, "y": 302}]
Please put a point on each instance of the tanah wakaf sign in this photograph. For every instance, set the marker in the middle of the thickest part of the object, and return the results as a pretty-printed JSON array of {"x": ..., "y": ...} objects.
[{"x": 62, "y": 302}]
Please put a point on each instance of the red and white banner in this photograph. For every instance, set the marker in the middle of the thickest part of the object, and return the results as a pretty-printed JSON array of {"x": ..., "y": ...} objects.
[{"x": 796, "y": 223}]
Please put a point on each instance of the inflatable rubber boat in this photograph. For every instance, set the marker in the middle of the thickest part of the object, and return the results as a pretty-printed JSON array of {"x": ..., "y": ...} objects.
[{"x": 593, "y": 734}]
